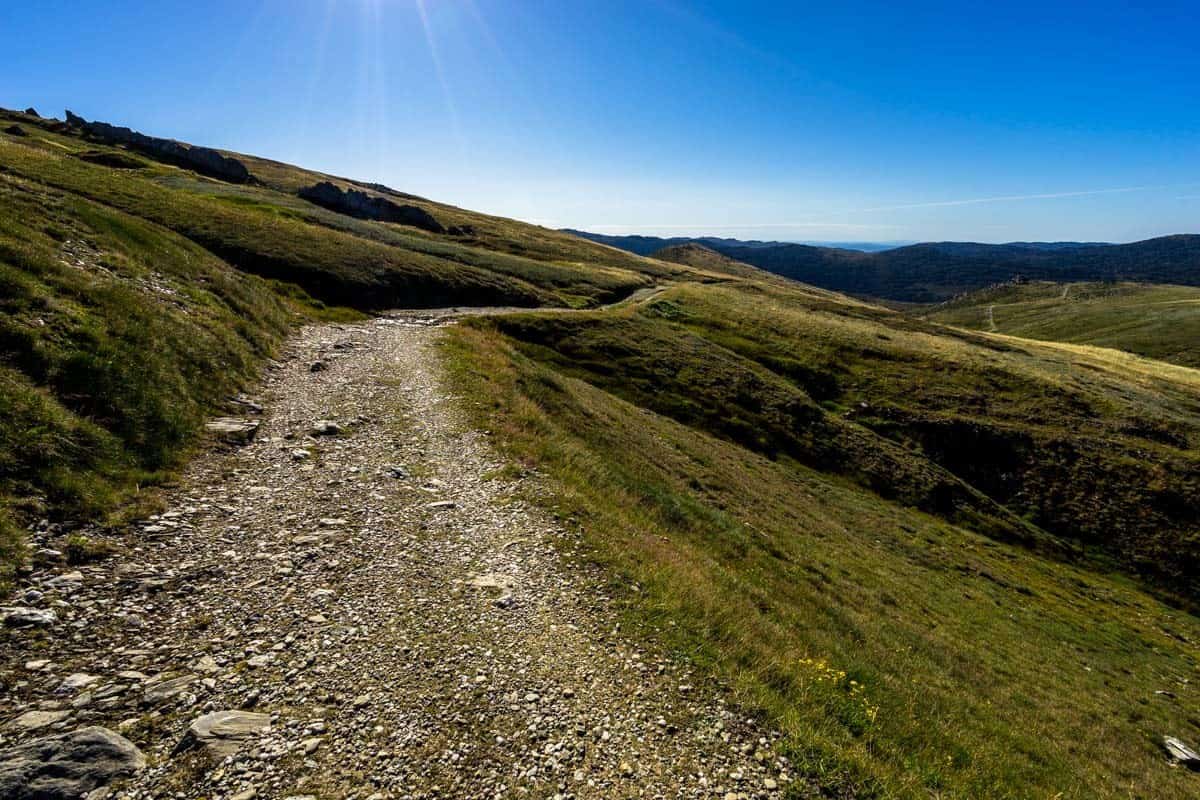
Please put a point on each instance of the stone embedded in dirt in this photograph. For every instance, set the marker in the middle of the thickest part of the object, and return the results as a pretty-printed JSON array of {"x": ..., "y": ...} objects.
[
  {"x": 65, "y": 578},
  {"x": 159, "y": 690},
  {"x": 21, "y": 617},
  {"x": 504, "y": 601},
  {"x": 67, "y": 765},
  {"x": 325, "y": 427},
  {"x": 15, "y": 130},
  {"x": 243, "y": 402},
  {"x": 318, "y": 366},
  {"x": 206, "y": 664},
  {"x": 36, "y": 720},
  {"x": 1181, "y": 753},
  {"x": 442, "y": 504},
  {"x": 492, "y": 580},
  {"x": 396, "y": 471},
  {"x": 300, "y": 455},
  {"x": 77, "y": 681},
  {"x": 223, "y": 732},
  {"x": 233, "y": 430},
  {"x": 45, "y": 556}
]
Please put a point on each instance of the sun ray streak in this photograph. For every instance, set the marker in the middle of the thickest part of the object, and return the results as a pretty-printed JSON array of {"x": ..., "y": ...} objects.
[{"x": 447, "y": 95}]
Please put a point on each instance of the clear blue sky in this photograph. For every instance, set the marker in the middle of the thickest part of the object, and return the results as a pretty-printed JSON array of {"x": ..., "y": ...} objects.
[{"x": 787, "y": 120}]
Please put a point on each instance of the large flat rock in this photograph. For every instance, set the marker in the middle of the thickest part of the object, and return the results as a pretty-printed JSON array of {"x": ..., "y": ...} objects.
[{"x": 222, "y": 732}]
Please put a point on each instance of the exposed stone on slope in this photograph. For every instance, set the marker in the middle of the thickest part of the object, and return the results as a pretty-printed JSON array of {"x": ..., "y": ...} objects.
[
  {"x": 365, "y": 206},
  {"x": 1181, "y": 753},
  {"x": 201, "y": 159},
  {"x": 36, "y": 720}
]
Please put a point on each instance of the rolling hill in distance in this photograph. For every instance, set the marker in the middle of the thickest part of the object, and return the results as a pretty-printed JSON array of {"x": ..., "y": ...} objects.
[
  {"x": 950, "y": 552},
  {"x": 1157, "y": 321},
  {"x": 937, "y": 271}
]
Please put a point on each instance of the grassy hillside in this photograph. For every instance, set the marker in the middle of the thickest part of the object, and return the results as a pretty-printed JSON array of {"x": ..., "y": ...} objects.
[
  {"x": 1161, "y": 322},
  {"x": 787, "y": 485},
  {"x": 138, "y": 294}
]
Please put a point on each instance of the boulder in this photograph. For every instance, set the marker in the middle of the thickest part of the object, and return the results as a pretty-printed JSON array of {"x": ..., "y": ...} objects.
[
  {"x": 354, "y": 203},
  {"x": 67, "y": 765},
  {"x": 32, "y": 112},
  {"x": 15, "y": 130},
  {"x": 233, "y": 430},
  {"x": 223, "y": 732}
]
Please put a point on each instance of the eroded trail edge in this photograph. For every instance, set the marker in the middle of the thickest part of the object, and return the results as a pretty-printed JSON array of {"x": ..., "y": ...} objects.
[{"x": 364, "y": 576}]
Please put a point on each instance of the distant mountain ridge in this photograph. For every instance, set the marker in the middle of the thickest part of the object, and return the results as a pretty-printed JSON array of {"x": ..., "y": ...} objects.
[{"x": 936, "y": 271}]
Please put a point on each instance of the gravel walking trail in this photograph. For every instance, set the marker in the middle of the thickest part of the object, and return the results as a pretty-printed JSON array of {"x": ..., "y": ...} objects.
[{"x": 363, "y": 590}]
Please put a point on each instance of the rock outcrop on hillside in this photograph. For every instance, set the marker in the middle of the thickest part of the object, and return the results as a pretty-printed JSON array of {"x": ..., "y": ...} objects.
[
  {"x": 365, "y": 206},
  {"x": 204, "y": 160}
]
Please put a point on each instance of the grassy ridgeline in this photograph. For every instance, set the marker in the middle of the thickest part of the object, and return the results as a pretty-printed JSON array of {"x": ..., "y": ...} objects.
[{"x": 905, "y": 653}]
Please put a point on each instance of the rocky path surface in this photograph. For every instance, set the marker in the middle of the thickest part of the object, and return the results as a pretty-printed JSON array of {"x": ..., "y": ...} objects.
[{"x": 356, "y": 604}]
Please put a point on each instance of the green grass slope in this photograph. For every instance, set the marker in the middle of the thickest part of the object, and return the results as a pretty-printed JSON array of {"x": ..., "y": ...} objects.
[
  {"x": 1161, "y": 322},
  {"x": 754, "y": 464}
]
